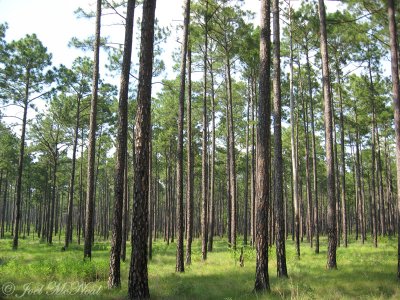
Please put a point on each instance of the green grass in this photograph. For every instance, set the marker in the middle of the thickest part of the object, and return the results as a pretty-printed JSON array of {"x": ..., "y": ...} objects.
[{"x": 364, "y": 272}]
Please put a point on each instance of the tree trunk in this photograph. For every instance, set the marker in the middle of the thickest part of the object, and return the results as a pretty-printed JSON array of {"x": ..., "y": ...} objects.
[
  {"x": 232, "y": 158},
  {"x": 343, "y": 162},
  {"x": 246, "y": 176},
  {"x": 278, "y": 159},
  {"x": 138, "y": 287},
  {"x": 179, "y": 165},
  {"x": 125, "y": 210},
  {"x": 4, "y": 207},
  {"x": 396, "y": 101},
  {"x": 204, "y": 192},
  {"x": 212, "y": 167},
  {"x": 68, "y": 232},
  {"x": 263, "y": 149},
  {"x": 17, "y": 215},
  {"x": 189, "y": 184},
  {"x": 331, "y": 221},
  {"x": 90, "y": 196},
  {"x": 314, "y": 155},
  {"x": 114, "y": 278},
  {"x": 294, "y": 150}
]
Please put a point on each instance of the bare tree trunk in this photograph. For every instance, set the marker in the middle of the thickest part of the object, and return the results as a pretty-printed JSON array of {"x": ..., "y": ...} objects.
[
  {"x": 232, "y": 156},
  {"x": 343, "y": 162},
  {"x": 90, "y": 196},
  {"x": 151, "y": 198},
  {"x": 396, "y": 101},
  {"x": 212, "y": 167},
  {"x": 80, "y": 221},
  {"x": 331, "y": 221},
  {"x": 294, "y": 151},
  {"x": 179, "y": 165},
  {"x": 246, "y": 176},
  {"x": 18, "y": 187},
  {"x": 68, "y": 232},
  {"x": 189, "y": 184},
  {"x": 114, "y": 279},
  {"x": 125, "y": 209},
  {"x": 263, "y": 149},
  {"x": 138, "y": 287},
  {"x": 204, "y": 218},
  {"x": 314, "y": 155},
  {"x": 278, "y": 159}
]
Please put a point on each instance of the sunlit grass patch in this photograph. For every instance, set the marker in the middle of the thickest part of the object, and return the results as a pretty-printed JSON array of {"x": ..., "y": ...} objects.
[{"x": 364, "y": 272}]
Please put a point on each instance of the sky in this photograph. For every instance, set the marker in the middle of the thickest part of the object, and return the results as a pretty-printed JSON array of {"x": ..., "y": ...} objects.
[{"x": 55, "y": 23}]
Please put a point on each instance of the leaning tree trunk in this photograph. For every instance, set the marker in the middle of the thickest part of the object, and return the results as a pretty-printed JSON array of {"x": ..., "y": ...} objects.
[
  {"x": 179, "y": 162},
  {"x": 331, "y": 218},
  {"x": 278, "y": 159},
  {"x": 263, "y": 149},
  {"x": 138, "y": 287},
  {"x": 396, "y": 101},
  {"x": 90, "y": 193}
]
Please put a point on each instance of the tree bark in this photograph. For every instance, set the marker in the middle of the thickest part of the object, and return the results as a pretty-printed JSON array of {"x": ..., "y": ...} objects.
[
  {"x": 212, "y": 166},
  {"x": 331, "y": 218},
  {"x": 138, "y": 287},
  {"x": 204, "y": 192},
  {"x": 18, "y": 188},
  {"x": 90, "y": 193},
  {"x": 278, "y": 159},
  {"x": 396, "y": 101},
  {"x": 314, "y": 156},
  {"x": 114, "y": 278},
  {"x": 179, "y": 165},
  {"x": 263, "y": 149},
  {"x": 189, "y": 184},
  {"x": 296, "y": 205},
  {"x": 68, "y": 233}
]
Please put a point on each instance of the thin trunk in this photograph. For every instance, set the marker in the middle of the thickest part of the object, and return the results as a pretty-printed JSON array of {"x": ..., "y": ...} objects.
[
  {"x": 68, "y": 232},
  {"x": 278, "y": 159},
  {"x": 343, "y": 161},
  {"x": 90, "y": 196},
  {"x": 17, "y": 215},
  {"x": 114, "y": 278},
  {"x": 204, "y": 218},
  {"x": 189, "y": 184},
  {"x": 246, "y": 176},
  {"x": 294, "y": 149},
  {"x": 212, "y": 167},
  {"x": 179, "y": 165}
]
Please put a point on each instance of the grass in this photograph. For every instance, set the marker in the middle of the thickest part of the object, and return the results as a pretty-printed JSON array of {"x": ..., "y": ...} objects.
[{"x": 45, "y": 272}]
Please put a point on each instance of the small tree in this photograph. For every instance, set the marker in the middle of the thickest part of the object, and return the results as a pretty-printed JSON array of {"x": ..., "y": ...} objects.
[{"x": 22, "y": 81}]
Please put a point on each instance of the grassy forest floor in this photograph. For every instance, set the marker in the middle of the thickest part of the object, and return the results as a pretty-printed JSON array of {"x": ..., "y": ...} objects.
[{"x": 40, "y": 270}]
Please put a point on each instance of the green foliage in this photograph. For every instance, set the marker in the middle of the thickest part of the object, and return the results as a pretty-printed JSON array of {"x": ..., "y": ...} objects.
[{"x": 26, "y": 65}]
